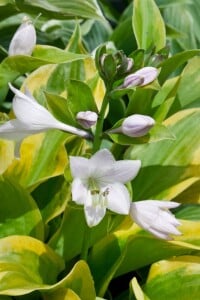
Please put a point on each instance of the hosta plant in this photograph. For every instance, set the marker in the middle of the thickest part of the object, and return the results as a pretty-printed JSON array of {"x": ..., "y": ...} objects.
[{"x": 99, "y": 154}]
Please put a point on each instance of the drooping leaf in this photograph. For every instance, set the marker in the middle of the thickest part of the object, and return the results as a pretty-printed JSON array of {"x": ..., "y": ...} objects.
[
  {"x": 26, "y": 265},
  {"x": 79, "y": 280}
]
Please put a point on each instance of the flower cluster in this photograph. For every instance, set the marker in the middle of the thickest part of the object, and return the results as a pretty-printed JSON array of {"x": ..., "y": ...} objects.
[{"x": 98, "y": 182}]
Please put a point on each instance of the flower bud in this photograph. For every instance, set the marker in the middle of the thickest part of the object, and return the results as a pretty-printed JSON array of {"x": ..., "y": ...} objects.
[
  {"x": 24, "y": 39},
  {"x": 141, "y": 77},
  {"x": 132, "y": 81},
  {"x": 86, "y": 119},
  {"x": 137, "y": 125}
]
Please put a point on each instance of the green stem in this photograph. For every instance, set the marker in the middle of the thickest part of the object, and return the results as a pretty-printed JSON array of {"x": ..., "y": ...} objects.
[
  {"x": 99, "y": 125},
  {"x": 86, "y": 243},
  {"x": 96, "y": 147}
]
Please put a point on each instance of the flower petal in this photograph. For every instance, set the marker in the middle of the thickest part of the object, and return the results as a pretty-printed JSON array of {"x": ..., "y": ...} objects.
[
  {"x": 94, "y": 214},
  {"x": 166, "y": 204},
  {"x": 155, "y": 217},
  {"x": 118, "y": 198},
  {"x": 102, "y": 158},
  {"x": 79, "y": 191},
  {"x": 124, "y": 170},
  {"x": 101, "y": 163},
  {"x": 79, "y": 166},
  {"x": 148, "y": 73},
  {"x": 159, "y": 234},
  {"x": 15, "y": 130}
]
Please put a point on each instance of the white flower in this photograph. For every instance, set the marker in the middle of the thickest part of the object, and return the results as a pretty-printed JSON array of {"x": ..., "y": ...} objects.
[
  {"x": 86, "y": 118},
  {"x": 99, "y": 184},
  {"x": 137, "y": 125},
  {"x": 32, "y": 118},
  {"x": 141, "y": 77},
  {"x": 155, "y": 217},
  {"x": 24, "y": 39}
]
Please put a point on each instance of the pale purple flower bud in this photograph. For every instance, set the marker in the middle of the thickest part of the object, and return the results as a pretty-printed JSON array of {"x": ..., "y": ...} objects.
[
  {"x": 24, "y": 39},
  {"x": 86, "y": 118},
  {"x": 132, "y": 80},
  {"x": 141, "y": 77},
  {"x": 137, "y": 125}
]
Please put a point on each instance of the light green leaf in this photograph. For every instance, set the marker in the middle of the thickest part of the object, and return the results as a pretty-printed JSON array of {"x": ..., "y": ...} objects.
[
  {"x": 80, "y": 97},
  {"x": 184, "y": 271},
  {"x": 42, "y": 156},
  {"x": 79, "y": 280},
  {"x": 19, "y": 214},
  {"x": 53, "y": 203},
  {"x": 60, "y": 109},
  {"x": 172, "y": 63},
  {"x": 176, "y": 162},
  {"x": 129, "y": 239},
  {"x": 6, "y": 154},
  {"x": 63, "y": 9},
  {"x": 26, "y": 265},
  {"x": 74, "y": 216},
  {"x": 188, "y": 90},
  {"x": 148, "y": 25},
  {"x": 158, "y": 133},
  {"x": 13, "y": 66},
  {"x": 55, "y": 55}
]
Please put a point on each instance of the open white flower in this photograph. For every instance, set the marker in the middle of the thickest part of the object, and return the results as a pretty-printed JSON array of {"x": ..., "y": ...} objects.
[
  {"x": 32, "y": 118},
  {"x": 155, "y": 217},
  {"x": 99, "y": 184}
]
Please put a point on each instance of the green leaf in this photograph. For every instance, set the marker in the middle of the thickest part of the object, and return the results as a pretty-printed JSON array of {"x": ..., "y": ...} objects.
[
  {"x": 188, "y": 90},
  {"x": 42, "y": 156},
  {"x": 19, "y": 214},
  {"x": 6, "y": 154},
  {"x": 74, "y": 216},
  {"x": 26, "y": 265},
  {"x": 189, "y": 212},
  {"x": 176, "y": 161},
  {"x": 183, "y": 270},
  {"x": 53, "y": 203},
  {"x": 185, "y": 24},
  {"x": 129, "y": 239},
  {"x": 60, "y": 109},
  {"x": 63, "y": 9},
  {"x": 79, "y": 280},
  {"x": 172, "y": 63},
  {"x": 80, "y": 97},
  {"x": 55, "y": 55},
  {"x": 14, "y": 66},
  {"x": 158, "y": 133},
  {"x": 148, "y": 25}
]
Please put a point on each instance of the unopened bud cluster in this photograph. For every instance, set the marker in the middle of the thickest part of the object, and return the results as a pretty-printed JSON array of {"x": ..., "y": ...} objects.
[{"x": 114, "y": 66}]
